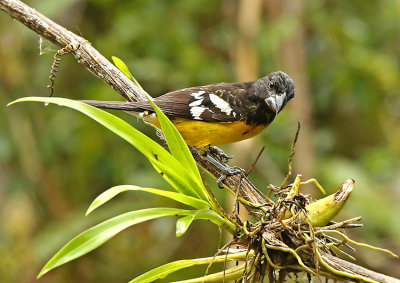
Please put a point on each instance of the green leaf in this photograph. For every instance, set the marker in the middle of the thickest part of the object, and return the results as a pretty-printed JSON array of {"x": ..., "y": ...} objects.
[
  {"x": 179, "y": 148},
  {"x": 232, "y": 273},
  {"x": 124, "y": 69},
  {"x": 181, "y": 181},
  {"x": 166, "y": 269},
  {"x": 161, "y": 159},
  {"x": 122, "y": 66},
  {"x": 214, "y": 217},
  {"x": 183, "y": 224},
  {"x": 112, "y": 192},
  {"x": 99, "y": 234}
]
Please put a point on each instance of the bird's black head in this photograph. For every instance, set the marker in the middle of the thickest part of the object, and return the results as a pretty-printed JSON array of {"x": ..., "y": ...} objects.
[{"x": 276, "y": 90}]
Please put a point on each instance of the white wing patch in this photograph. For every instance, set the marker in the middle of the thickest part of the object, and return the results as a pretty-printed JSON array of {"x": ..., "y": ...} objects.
[
  {"x": 198, "y": 94},
  {"x": 220, "y": 104},
  {"x": 196, "y": 111},
  {"x": 196, "y": 102}
]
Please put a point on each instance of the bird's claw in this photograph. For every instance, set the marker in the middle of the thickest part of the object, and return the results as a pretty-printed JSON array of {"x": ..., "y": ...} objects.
[
  {"x": 228, "y": 171},
  {"x": 217, "y": 157},
  {"x": 222, "y": 156}
]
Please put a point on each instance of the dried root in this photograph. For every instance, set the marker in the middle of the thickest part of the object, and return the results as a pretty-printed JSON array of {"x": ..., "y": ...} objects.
[{"x": 299, "y": 236}]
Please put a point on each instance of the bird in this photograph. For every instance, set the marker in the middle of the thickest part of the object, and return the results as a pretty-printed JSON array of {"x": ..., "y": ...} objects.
[{"x": 216, "y": 114}]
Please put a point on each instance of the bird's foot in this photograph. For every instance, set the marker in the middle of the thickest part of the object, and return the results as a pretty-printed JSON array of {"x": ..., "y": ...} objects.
[
  {"x": 217, "y": 152},
  {"x": 227, "y": 171}
]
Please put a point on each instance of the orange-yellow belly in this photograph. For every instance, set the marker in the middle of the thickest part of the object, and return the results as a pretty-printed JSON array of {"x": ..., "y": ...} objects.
[{"x": 199, "y": 133}]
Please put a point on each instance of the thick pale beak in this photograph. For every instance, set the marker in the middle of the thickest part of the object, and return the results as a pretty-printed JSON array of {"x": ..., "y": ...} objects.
[{"x": 275, "y": 102}]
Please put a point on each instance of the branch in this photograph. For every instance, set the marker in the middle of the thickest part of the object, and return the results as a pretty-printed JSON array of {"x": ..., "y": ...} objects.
[
  {"x": 78, "y": 46},
  {"x": 242, "y": 187},
  {"x": 357, "y": 270},
  {"x": 96, "y": 63}
]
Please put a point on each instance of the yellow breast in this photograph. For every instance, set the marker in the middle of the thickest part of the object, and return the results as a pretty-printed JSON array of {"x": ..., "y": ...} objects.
[{"x": 199, "y": 133}]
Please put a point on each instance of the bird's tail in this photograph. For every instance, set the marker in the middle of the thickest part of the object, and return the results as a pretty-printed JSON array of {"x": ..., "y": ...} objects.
[
  {"x": 133, "y": 108},
  {"x": 117, "y": 105}
]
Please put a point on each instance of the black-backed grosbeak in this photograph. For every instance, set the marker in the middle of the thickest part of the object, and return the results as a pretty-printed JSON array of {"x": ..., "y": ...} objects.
[{"x": 218, "y": 113}]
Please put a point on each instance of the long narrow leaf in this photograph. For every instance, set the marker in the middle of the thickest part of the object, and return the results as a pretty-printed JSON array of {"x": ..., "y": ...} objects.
[
  {"x": 166, "y": 269},
  {"x": 232, "y": 273},
  {"x": 124, "y": 69},
  {"x": 99, "y": 234},
  {"x": 122, "y": 66},
  {"x": 112, "y": 192},
  {"x": 182, "y": 224},
  {"x": 175, "y": 142},
  {"x": 161, "y": 159},
  {"x": 177, "y": 145},
  {"x": 181, "y": 181}
]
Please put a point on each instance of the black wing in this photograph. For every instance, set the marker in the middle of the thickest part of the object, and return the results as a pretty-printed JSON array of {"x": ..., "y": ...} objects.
[
  {"x": 222, "y": 102},
  {"x": 213, "y": 103}
]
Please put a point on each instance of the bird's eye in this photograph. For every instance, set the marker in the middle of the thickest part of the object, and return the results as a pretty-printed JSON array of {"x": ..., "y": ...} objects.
[{"x": 271, "y": 84}]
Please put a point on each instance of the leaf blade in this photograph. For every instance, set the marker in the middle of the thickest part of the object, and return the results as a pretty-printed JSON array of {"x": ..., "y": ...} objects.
[
  {"x": 112, "y": 192},
  {"x": 176, "y": 143},
  {"x": 166, "y": 269},
  {"x": 124, "y": 69},
  {"x": 232, "y": 273},
  {"x": 122, "y": 66},
  {"x": 160, "y": 158},
  {"x": 180, "y": 150},
  {"x": 182, "y": 224},
  {"x": 99, "y": 234}
]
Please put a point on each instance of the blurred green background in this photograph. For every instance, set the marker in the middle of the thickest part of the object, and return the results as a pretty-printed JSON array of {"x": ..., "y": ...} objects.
[{"x": 344, "y": 57}]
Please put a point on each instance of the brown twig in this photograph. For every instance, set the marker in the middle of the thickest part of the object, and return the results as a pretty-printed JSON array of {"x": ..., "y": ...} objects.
[
  {"x": 356, "y": 270},
  {"x": 350, "y": 223},
  {"x": 255, "y": 161},
  {"x": 291, "y": 155}
]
